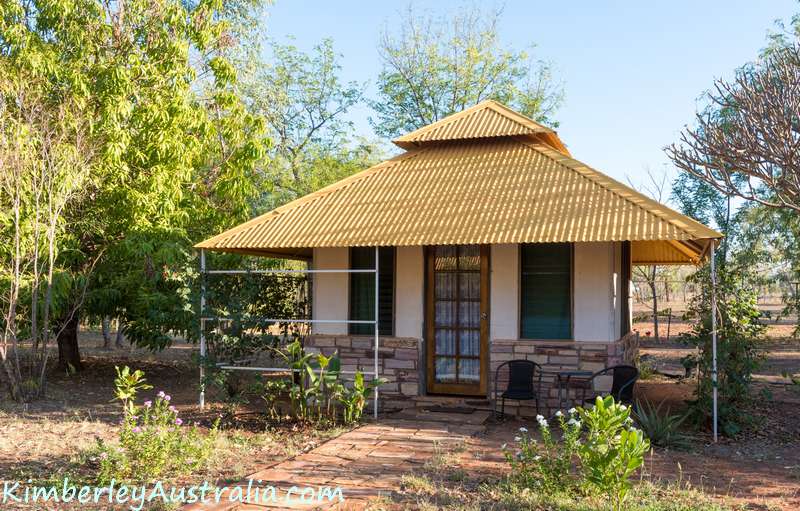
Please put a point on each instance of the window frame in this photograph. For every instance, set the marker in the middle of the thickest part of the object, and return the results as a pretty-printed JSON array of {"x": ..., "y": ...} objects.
[
  {"x": 351, "y": 326},
  {"x": 571, "y": 337}
]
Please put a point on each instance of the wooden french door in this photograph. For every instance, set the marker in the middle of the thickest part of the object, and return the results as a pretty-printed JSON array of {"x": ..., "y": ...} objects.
[{"x": 457, "y": 318}]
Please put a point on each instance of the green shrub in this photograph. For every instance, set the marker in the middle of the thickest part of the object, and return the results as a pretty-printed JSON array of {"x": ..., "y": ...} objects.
[
  {"x": 647, "y": 369},
  {"x": 739, "y": 333},
  {"x": 602, "y": 438},
  {"x": 153, "y": 441},
  {"x": 316, "y": 391},
  {"x": 545, "y": 466},
  {"x": 662, "y": 429},
  {"x": 612, "y": 449}
]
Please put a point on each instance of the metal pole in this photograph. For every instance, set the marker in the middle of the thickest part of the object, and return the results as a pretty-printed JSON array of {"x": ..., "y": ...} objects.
[
  {"x": 714, "y": 336},
  {"x": 377, "y": 342},
  {"x": 202, "y": 329}
]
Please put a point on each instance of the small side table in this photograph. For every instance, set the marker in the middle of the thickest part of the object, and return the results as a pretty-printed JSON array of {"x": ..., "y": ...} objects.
[{"x": 567, "y": 379}]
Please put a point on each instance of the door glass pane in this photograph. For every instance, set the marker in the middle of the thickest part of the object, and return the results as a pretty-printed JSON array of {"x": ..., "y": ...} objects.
[
  {"x": 469, "y": 370},
  {"x": 469, "y": 314},
  {"x": 445, "y": 313},
  {"x": 469, "y": 257},
  {"x": 445, "y": 258},
  {"x": 469, "y": 342},
  {"x": 445, "y": 341},
  {"x": 445, "y": 369},
  {"x": 469, "y": 285},
  {"x": 445, "y": 286}
]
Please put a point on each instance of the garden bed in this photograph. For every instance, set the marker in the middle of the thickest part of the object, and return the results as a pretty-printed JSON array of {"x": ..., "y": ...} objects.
[{"x": 56, "y": 436}]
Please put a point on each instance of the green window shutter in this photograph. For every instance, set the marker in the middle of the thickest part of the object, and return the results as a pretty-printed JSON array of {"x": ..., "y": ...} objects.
[
  {"x": 546, "y": 291},
  {"x": 362, "y": 290}
]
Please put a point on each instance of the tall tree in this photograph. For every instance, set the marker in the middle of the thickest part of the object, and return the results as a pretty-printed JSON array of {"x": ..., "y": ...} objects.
[
  {"x": 745, "y": 143},
  {"x": 435, "y": 66},
  {"x": 656, "y": 187},
  {"x": 44, "y": 155},
  {"x": 174, "y": 150},
  {"x": 304, "y": 102}
]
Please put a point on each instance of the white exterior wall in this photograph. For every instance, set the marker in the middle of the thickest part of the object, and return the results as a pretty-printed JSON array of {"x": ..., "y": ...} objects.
[
  {"x": 331, "y": 299},
  {"x": 596, "y": 292},
  {"x": 504, "y": 292},
  {"x": 330, "y": 290},
  {"x": 409, "y": 292},
  {"x": 596, "y": 285}
]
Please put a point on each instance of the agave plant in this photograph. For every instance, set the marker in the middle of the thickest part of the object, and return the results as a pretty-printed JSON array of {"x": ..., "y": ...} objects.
[{"x": 663, "y": 429}]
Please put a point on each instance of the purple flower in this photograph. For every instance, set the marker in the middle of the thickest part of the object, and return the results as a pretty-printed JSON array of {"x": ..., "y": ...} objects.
[
  {"x": 167, "y": 398},
  {"x": 178, "y": 422},
  {"x": 161, "y": 393},
  {"x": 173, "y": 409},
  {"x": 103, "y": 455},
  {"x": 137, "y": 429},
  {"x": 148, "y": 404}
]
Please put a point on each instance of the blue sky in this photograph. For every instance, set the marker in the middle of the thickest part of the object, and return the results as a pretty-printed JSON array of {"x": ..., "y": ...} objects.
[{"x": 632, "y": 71}]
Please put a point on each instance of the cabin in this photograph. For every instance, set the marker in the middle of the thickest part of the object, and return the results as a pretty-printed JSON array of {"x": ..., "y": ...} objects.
[{"x": 492, "y": 244}]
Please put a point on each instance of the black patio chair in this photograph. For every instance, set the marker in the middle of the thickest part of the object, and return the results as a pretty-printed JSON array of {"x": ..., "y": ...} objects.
[
  {"x": 624, "y": 378},
  {"x": 523, "y": 383}
]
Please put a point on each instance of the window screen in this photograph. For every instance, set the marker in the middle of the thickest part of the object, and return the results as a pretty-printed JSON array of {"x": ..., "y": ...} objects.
[{"x": 546, "y": 291}]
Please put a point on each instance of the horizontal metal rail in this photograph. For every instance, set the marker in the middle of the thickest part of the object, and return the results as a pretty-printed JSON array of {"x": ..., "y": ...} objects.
[
  {"x": 280, "y": 369},
  {"x": 273, "y": 320},
  {"x": 278, "y": 272}
]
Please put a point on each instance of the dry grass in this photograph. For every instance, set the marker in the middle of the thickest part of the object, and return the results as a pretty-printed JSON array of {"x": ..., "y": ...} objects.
[{"x": 56, "y": 436}]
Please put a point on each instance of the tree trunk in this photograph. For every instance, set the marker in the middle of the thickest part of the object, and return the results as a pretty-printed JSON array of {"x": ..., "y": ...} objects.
[
  {"x": 13, "y": 383},
  {"x": 106, "y": 326},
  {"x": 654, "y": 291},
  {"x": 120, "y": 335},
  {"x": 69, "y": 356}
]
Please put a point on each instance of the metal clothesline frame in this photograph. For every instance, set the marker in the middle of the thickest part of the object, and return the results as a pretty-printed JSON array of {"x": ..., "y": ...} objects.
[{"x": 232, "y": 367}]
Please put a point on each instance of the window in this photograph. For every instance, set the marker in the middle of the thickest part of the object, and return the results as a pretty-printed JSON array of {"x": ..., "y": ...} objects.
[
  {"x": 362, "y": 290},
  {"x": 546, "y": 291}
]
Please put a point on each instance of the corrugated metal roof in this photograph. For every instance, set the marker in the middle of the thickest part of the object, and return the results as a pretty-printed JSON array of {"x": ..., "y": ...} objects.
[
  {"x": 487, "y": 119},
  {"x": 665, "y": 252},
  {"x": 487, "y": 190}
]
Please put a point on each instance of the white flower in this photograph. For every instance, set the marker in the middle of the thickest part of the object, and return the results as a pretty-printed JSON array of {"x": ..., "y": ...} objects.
[
  {"x": 623, "y": 407},
  {"x": 517, "y": 439},
  {"x": 503, "y": 447},
  {"x": 573, "y": 422},
  {"x": 572, "y": 411},
  {"x": 559, "y": 414},
  {"x": 539, "y": 418},
  {"x": 537, "y": 458},
  {"x": 523, "y": 430},
  {"x": 542, "y": 423}
]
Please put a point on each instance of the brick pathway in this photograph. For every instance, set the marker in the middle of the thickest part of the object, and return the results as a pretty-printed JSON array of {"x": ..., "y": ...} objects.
[{"x": 363, "y": 463}]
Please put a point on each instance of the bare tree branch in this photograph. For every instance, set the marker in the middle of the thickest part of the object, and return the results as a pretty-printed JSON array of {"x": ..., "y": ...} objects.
[{"x": 746, "y": 142}]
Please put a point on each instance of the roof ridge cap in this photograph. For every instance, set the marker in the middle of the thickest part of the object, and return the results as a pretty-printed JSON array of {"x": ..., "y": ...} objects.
[
  {"x": 586, "y": 169},
  {"x": 491, "y": 104}
]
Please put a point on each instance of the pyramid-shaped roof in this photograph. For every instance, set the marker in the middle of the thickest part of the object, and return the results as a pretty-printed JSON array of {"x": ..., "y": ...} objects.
[
  {"x": 487, "y": 119},
  {"x": 455, "y": 188}
]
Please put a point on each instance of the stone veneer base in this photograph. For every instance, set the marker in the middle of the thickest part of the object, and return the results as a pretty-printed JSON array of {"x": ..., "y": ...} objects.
[{"x": 399, "y": 362}]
